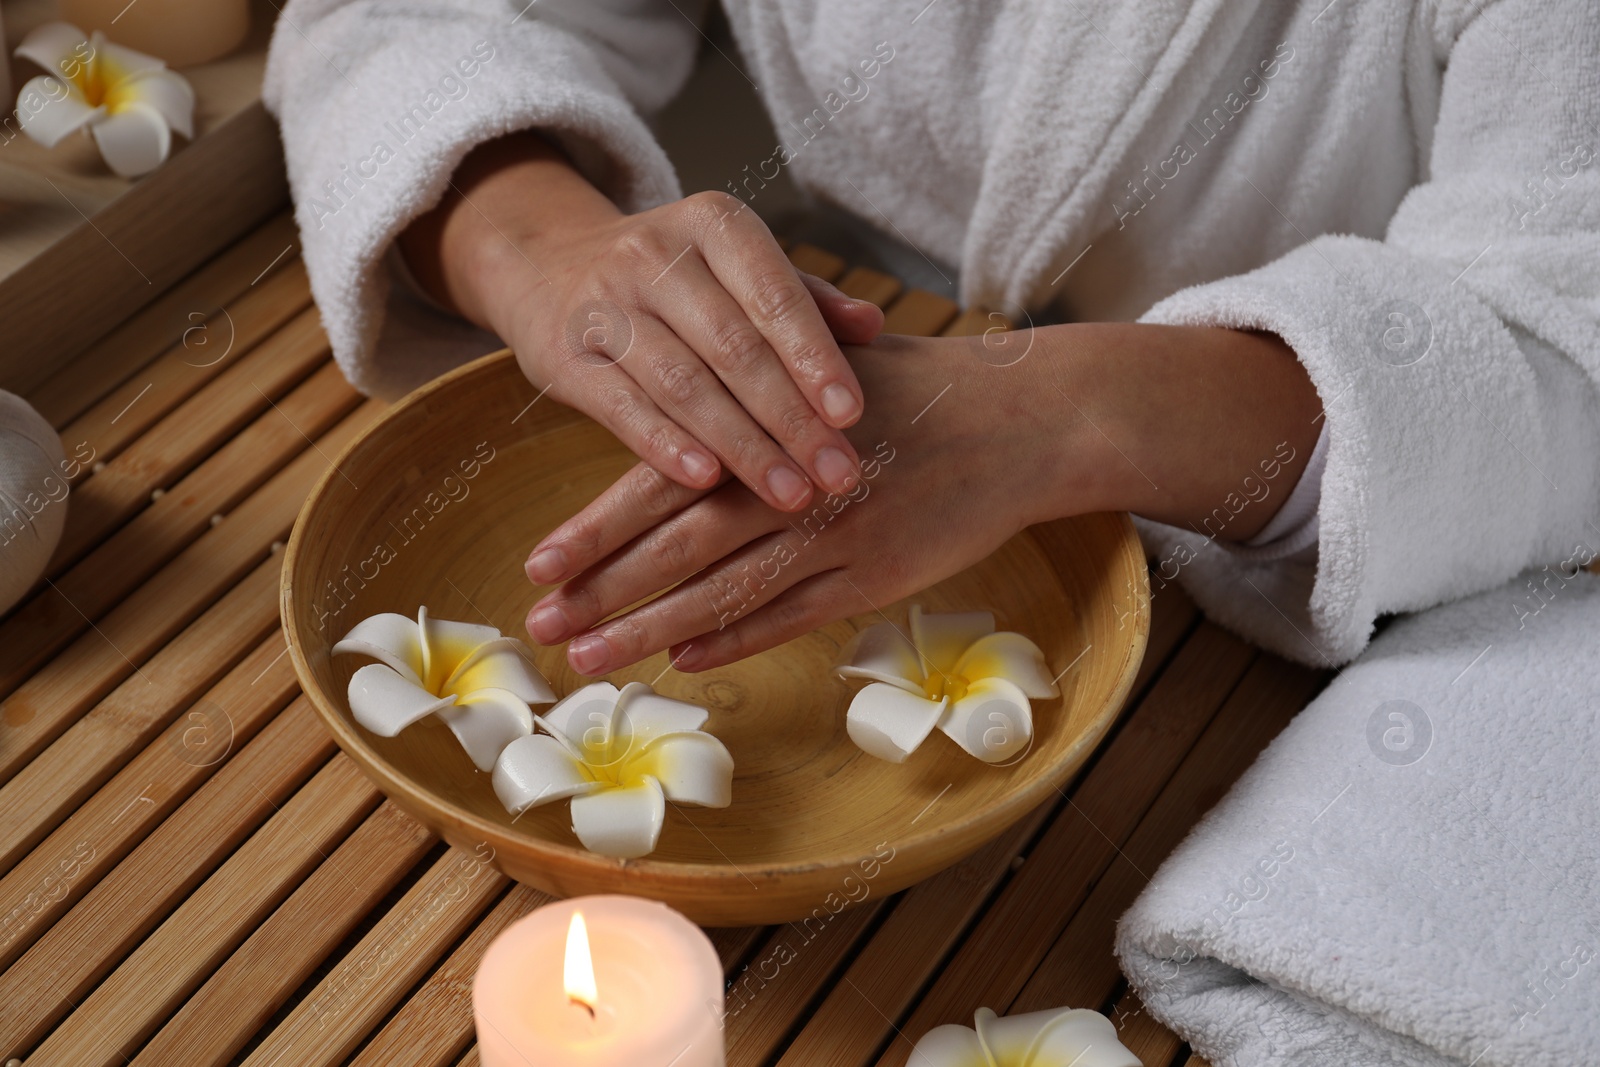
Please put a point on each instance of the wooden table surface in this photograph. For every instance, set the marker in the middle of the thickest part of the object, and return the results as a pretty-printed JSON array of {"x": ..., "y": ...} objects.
[{"x": 191, "y": 873}]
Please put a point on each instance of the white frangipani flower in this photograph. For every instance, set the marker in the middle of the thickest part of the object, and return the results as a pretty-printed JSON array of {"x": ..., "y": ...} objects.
[
  {"x": 620, "y": 755},
  {"x": 1074, "y": 1036},
  {"x": 477, "y": 680},
  {"x": 129, "y": 102},
  {"x": 954, "y": 672}
]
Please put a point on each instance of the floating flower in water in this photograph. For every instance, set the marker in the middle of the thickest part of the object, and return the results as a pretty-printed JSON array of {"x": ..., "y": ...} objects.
[
  {"x": 954, "y": 672},
  {"x": 620, "y": 755},
  {"x": 477, "y": 680},
  {"x": 1048, "y": 1038},
  {"x": 128, "y": 101}
]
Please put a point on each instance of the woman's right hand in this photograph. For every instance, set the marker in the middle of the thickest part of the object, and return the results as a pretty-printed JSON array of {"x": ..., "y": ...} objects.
[{"x": 683, "y": 329}]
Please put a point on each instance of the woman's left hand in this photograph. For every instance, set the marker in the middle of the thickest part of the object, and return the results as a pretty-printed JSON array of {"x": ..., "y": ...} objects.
[{"x": 946, "y": 480}]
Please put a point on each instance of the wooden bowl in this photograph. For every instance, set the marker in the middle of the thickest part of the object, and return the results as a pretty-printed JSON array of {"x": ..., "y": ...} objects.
[{"x": 439, "y": 503}]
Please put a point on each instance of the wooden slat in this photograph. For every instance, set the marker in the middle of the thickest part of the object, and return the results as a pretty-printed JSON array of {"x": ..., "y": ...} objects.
[
  {"x": 153, "y": 880},
  {"x": 870, "y": 285},
  {"x": 208, "y": 421},
  {"x": 930, "y": 919},
  {"x": 916, "y": 310},
  {"x": 127, "y": 349},
  {"x": 814, "y": 260},
  {"x": 993, "y": 963},
  {"x": 406, "y": 943},
  {"x": 974, "y": 322},
  {"x": 68, "y": 605},
  {"x": 1080, "y": 970},
  {"x": 434, "y": 1026},
  {"x": 45, "y": 791},
  {"x": 48, "y": 701},
  {"x": 118, "y": 418},
  {"x": 772, "y": 995},
  {"x": 169, "y": 769},
  {"x": 235, "y": 1001},
  {"x": 153, "y": 982}
]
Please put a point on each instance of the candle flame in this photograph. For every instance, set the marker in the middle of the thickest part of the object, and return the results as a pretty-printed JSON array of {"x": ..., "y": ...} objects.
[{"x": 578, "y": 972}]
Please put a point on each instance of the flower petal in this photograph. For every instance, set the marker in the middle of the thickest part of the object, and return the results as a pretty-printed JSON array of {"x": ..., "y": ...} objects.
[
  {"x": 623, "y": 822},
  {"x": 386, "y": 702},
  {"x": 117, "y": 61},
  {"x": 883, "y": 654},
  {"x": 498, "y": 663},
  {"x": 942, "y": 636},
  {"x": 582, "y": 711},
  {"x": 888, "y": 722},
  {"x": 52, "y": 44},
  {"x": 134, "y": 141},
  {"x": 994, "y": 721},
  {"x": 949, "y": 1044},
  {"x": 535, "y": 770},
  {"x": 387, "y": 638},
  {"x": 1077, "y": 1035},
  {"x": 1012, "y": 657},
  {"x": 166, "y": 92},
  {"x": 644, "y": 715},
  {"x": 61, "y": 111},
  {"x": 486, "y": 721},
  {"x": 692, "y": 767},
  {"x": 445, "y": 644}
]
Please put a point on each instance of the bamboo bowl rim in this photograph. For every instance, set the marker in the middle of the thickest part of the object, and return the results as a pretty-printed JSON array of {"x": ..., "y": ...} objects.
[{"x": 420, "y": 801}]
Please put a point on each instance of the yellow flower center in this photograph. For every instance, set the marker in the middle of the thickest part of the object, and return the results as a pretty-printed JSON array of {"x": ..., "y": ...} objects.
[{"x": 940, "y": 685}]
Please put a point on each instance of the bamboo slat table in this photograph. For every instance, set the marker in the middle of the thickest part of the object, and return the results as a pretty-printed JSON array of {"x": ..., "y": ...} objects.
[{"x": 191, "y": 873}]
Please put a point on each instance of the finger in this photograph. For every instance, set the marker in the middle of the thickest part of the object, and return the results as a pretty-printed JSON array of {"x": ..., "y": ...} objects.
[
  {"x": 595, "y": 384},
  {"x": 682, "y": 545},
  {"x": 805, "y": 606},
  {"x": 633, "y": 504},
  {"x": 747, "y": 261},
  {"x": 682, "y": 385},
  {"x": 712, "y": 324},
  {"x": 852, "y": 321},
  {"x": 734, "y": 587}
]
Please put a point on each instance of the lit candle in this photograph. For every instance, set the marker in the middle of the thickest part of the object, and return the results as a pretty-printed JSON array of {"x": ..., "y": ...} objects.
[
  {"x": 1073, "y": 1036},
  {"x": 600, "y": 982}
]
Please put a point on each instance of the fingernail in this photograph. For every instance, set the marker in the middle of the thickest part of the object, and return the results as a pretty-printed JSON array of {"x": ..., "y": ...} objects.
[
  {"x": 700, "y": 467},
  {"x": 588, "y": 654},
  {"x": 838, "y": 474},
  {"x": 689, "y": 655},
  {"x": 546, "y": 565},
  {"x": 547, "y": 624},
  {"x": 788, "y": 487},
  {"x": 840, "y": 404}
]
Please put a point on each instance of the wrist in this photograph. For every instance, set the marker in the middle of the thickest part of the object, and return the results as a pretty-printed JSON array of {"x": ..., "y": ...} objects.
[{"x": 515, "y": 211}]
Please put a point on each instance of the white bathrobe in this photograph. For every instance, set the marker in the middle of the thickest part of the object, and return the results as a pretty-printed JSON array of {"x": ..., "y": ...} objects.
[{"x": 1405, "y": 192}]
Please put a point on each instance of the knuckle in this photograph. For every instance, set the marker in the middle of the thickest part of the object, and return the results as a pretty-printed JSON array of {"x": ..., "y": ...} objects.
[
  {"x": 797, "y": 423},
  {"x": 652, "y": 492},
  {"x": 659, "y": 441},
  {"x": 749, "y": 450},
  {"x": 679, "y": 381},
  {"x": 778, "y": 295},
  {"x": 627, "y": 635},
  {"x": 619, "y": 406},
  {"x": 670, "y": 550},
  {"x": 737, "y": 345},
  {"x": 809, "y": 362},
  {"x": 583, "y": 600}
]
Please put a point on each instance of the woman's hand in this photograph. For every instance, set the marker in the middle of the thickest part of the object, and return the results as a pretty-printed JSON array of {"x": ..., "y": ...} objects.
[
  {"x": 1178, "y": 424},
  {"x": 684, "y": 329},
  {"x": 942, "y": 486}
]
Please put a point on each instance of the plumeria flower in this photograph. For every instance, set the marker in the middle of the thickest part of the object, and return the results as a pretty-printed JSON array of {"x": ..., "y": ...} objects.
[
  {"x": 620, "y": 755},
  {"x": 954, "y": 672},
  {"x": 1047, "y": 1038},
  {"x": 477, "y": 680},
  {"x": 129, "y": 102}
]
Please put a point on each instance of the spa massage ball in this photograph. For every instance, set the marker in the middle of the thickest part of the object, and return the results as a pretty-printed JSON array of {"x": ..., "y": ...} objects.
[{"x": 33, "y": 496}]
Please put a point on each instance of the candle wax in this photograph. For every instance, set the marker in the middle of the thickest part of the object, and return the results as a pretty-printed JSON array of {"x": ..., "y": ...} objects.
[{"x": 659, "y": 984}]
